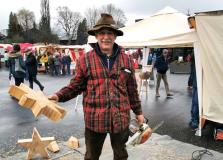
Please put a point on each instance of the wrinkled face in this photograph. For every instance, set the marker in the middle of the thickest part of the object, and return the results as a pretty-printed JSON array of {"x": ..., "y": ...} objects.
[{"x": 106, "y": 39}]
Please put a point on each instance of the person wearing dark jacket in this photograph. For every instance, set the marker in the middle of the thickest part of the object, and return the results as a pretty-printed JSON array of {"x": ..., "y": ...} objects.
[
  {"x": 16, "y": 65},
  {"x": 31, "y": 65},
  {"x": 51, "y": 64},
  {"x": 195, "y": 105},
  {"x": 68, "y": 62},
  {"x": 106, "y": 77},
  {"x": 162, "y": 66},
  {"x": 63, "y": 62}
]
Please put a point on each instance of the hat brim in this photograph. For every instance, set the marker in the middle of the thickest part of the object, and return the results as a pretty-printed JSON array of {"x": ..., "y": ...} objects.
[{"x": 93, "y": 31}]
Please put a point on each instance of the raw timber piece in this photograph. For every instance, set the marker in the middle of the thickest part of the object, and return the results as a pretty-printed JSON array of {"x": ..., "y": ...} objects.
[
  {"x": 37, "y": 102},
  {"x": 73, "y": 142},
  {"x": 37, "y": 145},
  {"x": 19, "y": 91},
  {"x": 53, "y": 147}
]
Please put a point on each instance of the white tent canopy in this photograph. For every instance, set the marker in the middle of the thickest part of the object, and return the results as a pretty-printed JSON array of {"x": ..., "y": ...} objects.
[
  {"x": 167, "y": 26},
  {"x": 210, "y": 38}
]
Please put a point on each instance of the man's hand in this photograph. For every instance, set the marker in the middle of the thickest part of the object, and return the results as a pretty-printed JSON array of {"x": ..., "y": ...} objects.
[
  {"x": 53, "y": 97},
  {"x": 140, "y": 119}
]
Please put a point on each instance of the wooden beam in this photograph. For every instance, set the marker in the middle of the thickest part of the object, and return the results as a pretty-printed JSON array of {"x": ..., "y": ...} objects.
[{"x": 37, "y": 102}]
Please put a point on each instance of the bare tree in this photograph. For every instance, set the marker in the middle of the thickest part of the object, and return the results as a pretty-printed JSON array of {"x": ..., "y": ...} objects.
[
  {"x": 26, "y": 19},
  {"x": 92, "y": 15},
  {"x": 68, "y": 21},
  {"x": 117, "y": 14}
]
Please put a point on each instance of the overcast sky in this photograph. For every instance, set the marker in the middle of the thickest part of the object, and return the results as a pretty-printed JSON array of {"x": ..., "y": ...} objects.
[{"x": 133, "y": 9}]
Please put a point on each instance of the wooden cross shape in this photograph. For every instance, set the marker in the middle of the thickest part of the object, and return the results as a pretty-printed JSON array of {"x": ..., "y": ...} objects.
[
  {"x": 37, "y": 102},
  {"x": 37, "y": 145}
]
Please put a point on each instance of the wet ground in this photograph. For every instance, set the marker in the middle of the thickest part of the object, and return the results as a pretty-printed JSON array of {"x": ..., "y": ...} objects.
[{"x": 17, "y": 122}]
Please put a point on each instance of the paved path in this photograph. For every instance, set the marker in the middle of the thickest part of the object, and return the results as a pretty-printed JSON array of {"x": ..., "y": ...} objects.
[{"x": 156, "y": 148}]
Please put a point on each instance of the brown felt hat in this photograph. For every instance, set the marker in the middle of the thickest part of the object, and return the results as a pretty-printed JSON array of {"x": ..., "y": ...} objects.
[{"x": 106, "y": 21}]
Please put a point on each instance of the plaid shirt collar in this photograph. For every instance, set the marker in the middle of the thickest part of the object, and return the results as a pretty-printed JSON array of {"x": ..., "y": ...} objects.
[
  {"x": 107, "y": 61},
  {"x": 116, "y": 50}
]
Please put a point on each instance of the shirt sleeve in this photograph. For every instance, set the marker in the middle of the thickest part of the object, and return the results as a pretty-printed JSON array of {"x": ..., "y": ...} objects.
[
  {"x": 77, "y": 84},
  {"x": 133, "y": 94}
]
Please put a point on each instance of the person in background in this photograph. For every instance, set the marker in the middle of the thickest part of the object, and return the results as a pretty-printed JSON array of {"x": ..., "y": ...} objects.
[
  {"x": 151, "y": 61},
  {"x": 195, "y": 105},
  {"x": 140, "y": 54},
  {"x": 63, "y": 61},
  {"x": 57, "y": 64},
  {"x": 31, "y": 65},
  {"x": 16, "y": 65},
  {"x": 190, "y": 58},
  {"x": 6, "y": 59},
  {"x": 67, "y": 63},
  {"x": 51, "y": 64},
  {"x": 44, "y": 60},
  {"x": 106, "y": 77},
  {"x": 162, "y": 66}
]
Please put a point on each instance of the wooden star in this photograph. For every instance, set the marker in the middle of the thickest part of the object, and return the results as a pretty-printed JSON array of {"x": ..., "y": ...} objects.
[
  {"x": 37, "y": 102},
  {"x": 37, "y": 145}
]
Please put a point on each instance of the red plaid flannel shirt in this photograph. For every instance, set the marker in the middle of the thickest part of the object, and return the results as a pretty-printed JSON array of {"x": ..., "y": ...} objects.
[{"x": 108, "y": 96}]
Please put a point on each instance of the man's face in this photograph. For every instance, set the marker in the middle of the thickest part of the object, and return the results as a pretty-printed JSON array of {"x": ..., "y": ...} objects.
[
  {"x": 165, "y": 52},
  {"x": 106, "y": 39}
]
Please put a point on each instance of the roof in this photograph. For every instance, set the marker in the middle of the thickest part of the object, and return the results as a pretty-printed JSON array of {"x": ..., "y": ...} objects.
[
  {"x": 217, "y": 12},
  {"x": 65, "y": 37},
  {"x": 165, "y": 27}
]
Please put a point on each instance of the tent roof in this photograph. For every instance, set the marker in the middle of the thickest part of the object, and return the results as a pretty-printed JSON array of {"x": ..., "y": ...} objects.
[
  {"x": 166, "y": 10},
  {"x": 165, "y": 23}
]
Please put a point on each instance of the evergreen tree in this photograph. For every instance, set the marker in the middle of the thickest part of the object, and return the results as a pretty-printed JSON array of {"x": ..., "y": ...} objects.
[
  {"x": 13, "y": 27},
  {"x": 82, "y": 34}
]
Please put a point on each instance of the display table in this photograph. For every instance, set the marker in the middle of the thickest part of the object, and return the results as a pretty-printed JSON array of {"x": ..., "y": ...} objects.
[{"x": 182, "y": 67}]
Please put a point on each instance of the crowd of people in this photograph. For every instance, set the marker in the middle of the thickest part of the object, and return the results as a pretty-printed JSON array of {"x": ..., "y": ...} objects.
[
  {"x": 26, "y": 66},
  {"x": 20, "y": 69},
  {"x": 55, "y": 64}
]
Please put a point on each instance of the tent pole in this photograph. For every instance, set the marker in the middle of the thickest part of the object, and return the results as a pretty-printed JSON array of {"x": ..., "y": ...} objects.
[
  {"x": 145, "y": 56},
  {"x": 199, "y": 74}
]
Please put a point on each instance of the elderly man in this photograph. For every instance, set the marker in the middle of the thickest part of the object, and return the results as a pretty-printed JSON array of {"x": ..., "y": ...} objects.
[
  {"x": 162, "y": 66},
  {"x": 106, "y": 77}
]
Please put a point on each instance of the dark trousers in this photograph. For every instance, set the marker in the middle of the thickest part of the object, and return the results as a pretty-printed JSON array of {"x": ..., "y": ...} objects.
[
  {"x": 51, "y": 70},
  {"x": 94, "y": 143},
  {"x": 57, "y": 70},
  {"x": 63, "y": 69},
  {"x": 68, "y": 68},
  {"x": 18, "y": 81},
  {"x": 194, "y": 109},
  {"x": 190, "y": 80},
  {"x": 46, "y": 67},
  {"x": 33, "y": 79}
]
